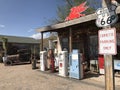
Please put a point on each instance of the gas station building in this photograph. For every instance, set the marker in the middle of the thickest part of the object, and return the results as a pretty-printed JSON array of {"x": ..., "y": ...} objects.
[{"x": 81, "y": 34}]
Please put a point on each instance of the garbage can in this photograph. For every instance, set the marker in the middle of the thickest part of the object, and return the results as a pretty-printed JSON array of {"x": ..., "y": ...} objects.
[
  {"x": 34, "y": 64},
  {"x": 33, "y": 61}
]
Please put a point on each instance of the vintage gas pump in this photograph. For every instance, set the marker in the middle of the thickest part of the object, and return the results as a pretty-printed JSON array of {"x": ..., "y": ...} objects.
[
  {"x": 51, "y": 56},
  {"x": 63, "y": 63},
  {"x": 52, "y": 65},
  {"x": 76, "y": 66},
  {"x": 43, "y": 60},
  {"x": 51, "y": 60}
]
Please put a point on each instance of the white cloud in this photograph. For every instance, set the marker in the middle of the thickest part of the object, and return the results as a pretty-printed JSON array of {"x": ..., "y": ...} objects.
[
  {"x": 30, "y": 30},
  {"x": 2, "y": 26},
  {"x": 38, "y": 35}
]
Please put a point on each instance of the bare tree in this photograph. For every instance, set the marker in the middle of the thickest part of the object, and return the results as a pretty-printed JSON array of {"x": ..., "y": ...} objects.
[{"x": 64, "y": 10}]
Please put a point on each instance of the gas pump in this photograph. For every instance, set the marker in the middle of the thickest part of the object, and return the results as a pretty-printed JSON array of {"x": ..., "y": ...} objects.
[
  {"x": 43, "y": 60},
  {"x": 63, "y": 63},
  {"x": 75, "y": 63}
]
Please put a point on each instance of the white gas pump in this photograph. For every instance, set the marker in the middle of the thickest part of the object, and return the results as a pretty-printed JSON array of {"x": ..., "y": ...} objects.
[
  {"x": 63, "y": 63},
  {"x": 43, "y": 60}
]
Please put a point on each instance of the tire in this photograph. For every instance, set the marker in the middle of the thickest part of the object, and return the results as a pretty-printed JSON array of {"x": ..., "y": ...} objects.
[{"x": 8, "y": 63}]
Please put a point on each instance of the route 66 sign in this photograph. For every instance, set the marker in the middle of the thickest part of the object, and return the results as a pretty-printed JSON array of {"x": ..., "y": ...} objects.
[{"x": 106, "y": 16}]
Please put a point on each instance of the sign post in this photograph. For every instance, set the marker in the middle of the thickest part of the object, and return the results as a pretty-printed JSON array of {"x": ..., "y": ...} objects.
[
  {"x": 107, "y": 47},
  {"x": 107, "y": 40}
]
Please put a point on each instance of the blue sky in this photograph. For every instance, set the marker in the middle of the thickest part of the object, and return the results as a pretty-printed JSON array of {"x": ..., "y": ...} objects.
[{"x": 21, "y": 17}]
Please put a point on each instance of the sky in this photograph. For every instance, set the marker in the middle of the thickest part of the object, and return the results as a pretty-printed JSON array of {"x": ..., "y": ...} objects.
[{"x": 22, "y": 17}]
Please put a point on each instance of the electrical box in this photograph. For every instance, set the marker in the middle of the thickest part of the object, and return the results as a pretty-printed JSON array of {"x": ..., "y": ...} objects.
[
  {"x": 43, "y": 60},
  {"x": 75, "y": 63},
  {"x": 63, "y": 63}
]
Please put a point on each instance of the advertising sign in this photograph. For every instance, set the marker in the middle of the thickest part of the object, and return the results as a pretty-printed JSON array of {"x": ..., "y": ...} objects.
[{"x": 107, "y": 41}]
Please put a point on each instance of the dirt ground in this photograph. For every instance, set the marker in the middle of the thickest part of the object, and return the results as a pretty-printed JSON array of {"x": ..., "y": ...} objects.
[{"x": 22, "y": 77}]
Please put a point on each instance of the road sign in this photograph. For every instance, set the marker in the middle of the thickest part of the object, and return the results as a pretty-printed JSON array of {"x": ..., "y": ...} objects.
[
  {"x": 106, "y": 16},
  {"x": 107, "y": 41}
]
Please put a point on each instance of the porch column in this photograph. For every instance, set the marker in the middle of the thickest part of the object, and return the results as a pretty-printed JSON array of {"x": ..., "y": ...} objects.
[
  {"x": 70, "y": 40},
  {"x": 41, "y": 41}
]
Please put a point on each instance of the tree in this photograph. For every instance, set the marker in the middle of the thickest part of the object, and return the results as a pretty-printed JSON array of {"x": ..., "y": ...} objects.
[
  {"x": 64, "y": 10},
  {"x": 95, "y": 4},
  {"x": 4, "y": 42}
]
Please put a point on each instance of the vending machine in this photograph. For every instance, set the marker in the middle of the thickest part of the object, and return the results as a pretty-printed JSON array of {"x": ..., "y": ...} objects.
[
  {"x": 63, "y": 63},
  {"x": 75, "y": 63},
  {"x": 43, "y": 60}
]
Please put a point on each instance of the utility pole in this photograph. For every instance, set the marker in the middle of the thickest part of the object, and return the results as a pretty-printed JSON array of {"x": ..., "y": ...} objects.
[
  {"x": 107, "y": 17},
  {"x": 108, "y": 61}
]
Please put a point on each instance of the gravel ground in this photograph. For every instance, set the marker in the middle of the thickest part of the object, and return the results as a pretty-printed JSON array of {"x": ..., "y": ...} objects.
[{"x": 22, "y": 77}]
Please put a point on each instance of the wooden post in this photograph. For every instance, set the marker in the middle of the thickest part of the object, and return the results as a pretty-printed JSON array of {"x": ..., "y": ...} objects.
[
  {"x": 109, "y": 73},
  {"x": 70, "y": 40},
  {"x": 41, "y": 41},
  {"x": 108, "y": 62}
]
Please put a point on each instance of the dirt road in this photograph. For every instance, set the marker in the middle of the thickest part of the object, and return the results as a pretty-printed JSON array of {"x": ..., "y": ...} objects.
[{"x": 22, "y": 77}]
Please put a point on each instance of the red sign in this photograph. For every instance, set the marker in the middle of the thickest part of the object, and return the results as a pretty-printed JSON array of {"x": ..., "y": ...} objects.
[
  {"x": 107, "y": 41},
  {"x": 76, "y": 11},
  {"x": 101, "y": 64}
]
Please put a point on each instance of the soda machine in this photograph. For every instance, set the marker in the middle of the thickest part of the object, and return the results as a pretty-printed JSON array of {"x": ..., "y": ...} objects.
[{"x": 76, "y": 66}]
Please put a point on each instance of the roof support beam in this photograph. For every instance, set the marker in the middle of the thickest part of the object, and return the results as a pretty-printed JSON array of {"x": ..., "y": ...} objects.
[
  {"x": 70, "y": 40},
  {"x": 41, "y": 41}
]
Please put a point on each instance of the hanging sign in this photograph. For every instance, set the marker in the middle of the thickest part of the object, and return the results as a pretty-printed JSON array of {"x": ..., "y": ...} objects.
[
  {"x": 107, "y": 41},
  {"x": 106, "y": 16}
]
